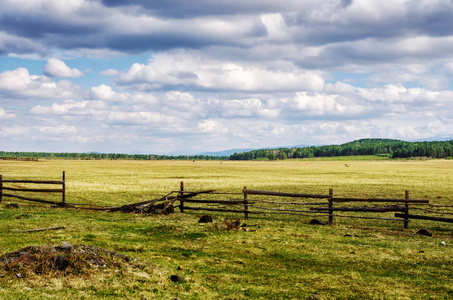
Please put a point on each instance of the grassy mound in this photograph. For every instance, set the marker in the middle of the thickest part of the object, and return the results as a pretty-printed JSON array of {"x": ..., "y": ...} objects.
[{"x": 60, "y": 261}]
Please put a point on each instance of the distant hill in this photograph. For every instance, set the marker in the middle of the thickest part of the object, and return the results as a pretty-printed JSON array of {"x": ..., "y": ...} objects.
[
  {"x": 436, "y": 147},
  {"x": 225, "y": 152},
  {"x": 232, "y": 151},
  {"x": 439, "y": 138},
  {"x": 371, "y": 146}
]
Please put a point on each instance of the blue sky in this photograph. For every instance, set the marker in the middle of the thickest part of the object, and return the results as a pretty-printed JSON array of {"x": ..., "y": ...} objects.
[{"x": 179, "y": 77}]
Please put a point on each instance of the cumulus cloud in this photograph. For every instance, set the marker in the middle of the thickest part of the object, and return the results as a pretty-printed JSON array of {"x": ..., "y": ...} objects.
[
  {"x": 110, "y": 72},
  {"x": 315, "y": 104},
  {"x": 20, "y": 84},
  {"x": 57, "y": 130},
  {"x": 14, "y": 131},
  {"x": 57, "y": 68},
  {"x": 5, "y": 115},
  {"x": 17, "y": 46},
  {"x": 247, "y": 108},
  {"x": 242, "y": 73},
  {"x": 212, "y": 126},
  {"x": 194, "y": 72},
  {"x": 72, "y": 108},
  {"x": 141, "y": 117}
]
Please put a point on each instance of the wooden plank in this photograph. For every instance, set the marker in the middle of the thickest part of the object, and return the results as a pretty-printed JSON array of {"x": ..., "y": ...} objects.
[
  {"x": 246, "y": 205},
  {"x": 290, "y": 203},
  {"x": 32, "y": 199},
  {"x": 211, "y": 192},
  {"x": 330, "y": 207},
  {"x": 63, "y": 197},
  {"x": 341, "y": 199},
  {"x": 221, "y": 210},
  {"x": 282, "y": 209},
  {"x": 193, "y": 194},
  {"x": 181, "y": 194},
  {"x": 443, "y": 206},
  {"x": 133, "y": 206},
  {"x": 370, "y": 218},
  {"x": 406, "y": 211},
  {"x": 295, "y": 214},
  {"x": 33, "y": 181},
  {"x": 227, "y": 202},
  {"x": 269, "y": 193},
  {"x": 362, "y": 209},
  {"x": 439, "y": 219},
  {"x": 34, "y": 190}
]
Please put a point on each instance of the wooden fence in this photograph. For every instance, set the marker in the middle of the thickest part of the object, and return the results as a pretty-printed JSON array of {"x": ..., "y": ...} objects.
[
  {"x": 251, "y": 202},
  {"x": 19, "y": 192}
]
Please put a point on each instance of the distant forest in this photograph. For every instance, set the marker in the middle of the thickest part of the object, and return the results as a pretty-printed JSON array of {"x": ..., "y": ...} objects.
[
  {"x": 381, "y": 147},
  {"x": 111, "y": 156}
]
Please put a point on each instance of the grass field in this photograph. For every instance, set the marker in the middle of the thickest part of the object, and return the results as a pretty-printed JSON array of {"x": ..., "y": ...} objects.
[{"x": 283, "y": 259}]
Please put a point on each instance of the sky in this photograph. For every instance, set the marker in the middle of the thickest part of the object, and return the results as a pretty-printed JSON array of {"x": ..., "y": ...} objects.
[{"x": 186, "y": 77}]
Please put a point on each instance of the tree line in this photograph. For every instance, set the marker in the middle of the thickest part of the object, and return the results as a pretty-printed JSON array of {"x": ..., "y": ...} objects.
[
  {"x": 108, "y": 156},
  {"x": 382, "y": 147}
]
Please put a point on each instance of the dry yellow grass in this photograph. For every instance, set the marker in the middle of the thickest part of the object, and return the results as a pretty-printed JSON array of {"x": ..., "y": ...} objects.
[{"x": 284, "y": 259}]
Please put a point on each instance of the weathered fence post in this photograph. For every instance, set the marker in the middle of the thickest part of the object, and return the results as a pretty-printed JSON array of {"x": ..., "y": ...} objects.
[
  {"x": 246, "y": 203},
  {"x": 1, "y": 188},
  {"x": 330, "y": 206},
  {"x": 406, "y": 211},
  {"x": 181, "y": 201},
  {"x": 64, "y": 190}
]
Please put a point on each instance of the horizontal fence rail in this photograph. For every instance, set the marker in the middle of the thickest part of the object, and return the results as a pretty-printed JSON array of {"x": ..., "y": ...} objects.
[
  {"x": 262, "y": 202},
  {"x": 419, "y": 217},
  {"x": 13, "y": 190},
  {"x": 254, "y": 202}
]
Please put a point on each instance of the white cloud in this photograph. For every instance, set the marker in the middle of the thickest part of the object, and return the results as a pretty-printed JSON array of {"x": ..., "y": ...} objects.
[
  {"x": 110, "y": 72},
  {"x": 142, "y": 117},
  {"x": 212, "y": 126},
  {"x": 316, "y": 104},
  {"x": 20, "y": 84},
  {"x": 275, "y": 26},
  {"x": 200, "y": 73},
  {"x": 19, "y": 46},
  {"x": 57, "y": 68},
  {"x": 102, "y": 92},
  {"x": 4, "y": 115},
  {"x": 57, "y": 130},
  {"x": 247, "y": 108},
  {"x": 72, "y": 108},
  {"x": 105, "y": 92},
  {"x": 226, "y": 73},
  {"x": 15, "y": 131}
]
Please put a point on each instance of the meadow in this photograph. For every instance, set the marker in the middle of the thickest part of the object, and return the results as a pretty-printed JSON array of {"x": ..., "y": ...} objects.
[{"x": 285, "y": 258}]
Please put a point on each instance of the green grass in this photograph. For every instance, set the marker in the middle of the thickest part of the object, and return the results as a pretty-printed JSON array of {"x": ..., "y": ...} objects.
[{"x": 283, "y": 259}]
